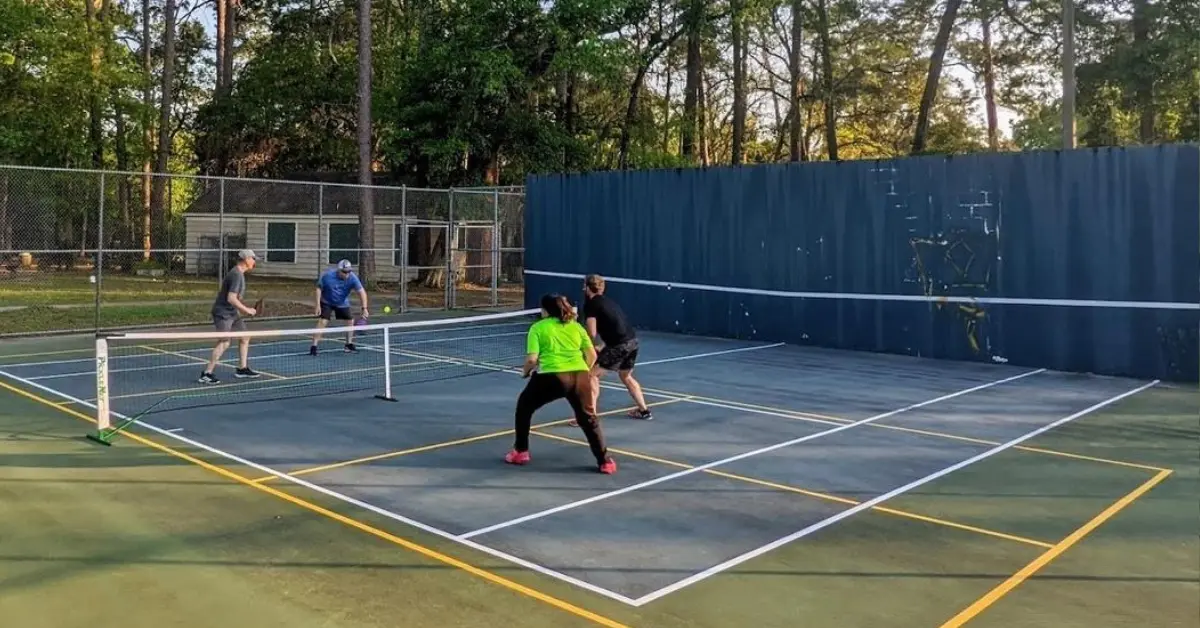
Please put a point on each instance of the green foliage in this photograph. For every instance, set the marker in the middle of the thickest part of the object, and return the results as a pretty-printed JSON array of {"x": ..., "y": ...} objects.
[{"x": 479, "y": 91}]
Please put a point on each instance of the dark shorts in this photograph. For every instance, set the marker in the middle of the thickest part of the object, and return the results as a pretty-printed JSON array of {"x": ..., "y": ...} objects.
[
  {"x": 620, "y": 357},
  {"x": 328, "y": 312},
  {"x": 229, "y": 323}
]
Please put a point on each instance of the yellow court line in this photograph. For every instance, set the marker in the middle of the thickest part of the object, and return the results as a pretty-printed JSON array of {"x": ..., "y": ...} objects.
[
  {"x": 798, "y": 415},
  {"x": 816, "y": 494},
  {"x": 351, "y": 522},
  {"x": 441, "y": 445},
  {"x": 200, "y": 360},
  {"x": 1004, "y": 588}
]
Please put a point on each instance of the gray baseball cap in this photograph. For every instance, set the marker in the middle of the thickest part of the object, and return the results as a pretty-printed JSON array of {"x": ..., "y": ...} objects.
[
  {"x": 345, "y": 265},
  {"x": 247, "y": 254}
]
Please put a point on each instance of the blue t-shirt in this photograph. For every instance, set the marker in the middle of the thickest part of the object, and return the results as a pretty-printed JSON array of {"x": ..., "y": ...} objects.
[{"x": 336, "y": 291}]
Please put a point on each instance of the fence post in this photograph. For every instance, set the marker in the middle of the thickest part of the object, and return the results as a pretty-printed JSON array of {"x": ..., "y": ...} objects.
[
  {"x": 403, "y": 306},
  {"x": 320, "y": 227},
  {"x": 99, "y": 273},
  {"x": 449, "y": 248},
  {"x": 495, "y": 247},
  {"x": 220, "y": 234}
]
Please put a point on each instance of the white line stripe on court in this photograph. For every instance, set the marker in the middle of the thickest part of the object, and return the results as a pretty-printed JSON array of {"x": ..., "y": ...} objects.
[
  {"x": 857, "y": 296},
  {"x": 733, "y": 562},
  {"x": 711, "y": 354},
  {"x": 350, "y": 500},
  {"x": 717, "y": 463}
]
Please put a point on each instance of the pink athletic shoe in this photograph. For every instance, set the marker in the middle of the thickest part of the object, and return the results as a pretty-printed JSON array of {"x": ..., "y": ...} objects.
[
  {"x": 517, "y": 457},
  {"x": 609, "y": 467}
]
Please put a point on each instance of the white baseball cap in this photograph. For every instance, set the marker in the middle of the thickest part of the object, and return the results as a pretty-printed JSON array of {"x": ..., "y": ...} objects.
[{"x": 345, "y": 265}]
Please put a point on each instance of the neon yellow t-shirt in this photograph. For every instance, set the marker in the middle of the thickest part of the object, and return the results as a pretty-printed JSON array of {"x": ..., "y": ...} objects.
[{"x": 559, "y": 346}]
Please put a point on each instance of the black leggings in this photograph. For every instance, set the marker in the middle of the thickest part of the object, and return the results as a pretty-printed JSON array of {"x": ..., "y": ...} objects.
[{"x": 544, "y": 388}]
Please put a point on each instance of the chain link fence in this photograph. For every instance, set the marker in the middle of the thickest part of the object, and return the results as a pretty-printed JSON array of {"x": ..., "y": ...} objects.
[{"x": 84, "y": 250}]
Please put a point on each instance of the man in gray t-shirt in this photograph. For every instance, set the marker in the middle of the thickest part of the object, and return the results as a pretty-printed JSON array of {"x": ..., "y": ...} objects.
[{"x": 227, "y": 312}]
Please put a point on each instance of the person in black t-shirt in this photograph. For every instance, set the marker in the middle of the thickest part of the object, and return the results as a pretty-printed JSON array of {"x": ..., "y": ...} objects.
[{"x": 616, "y": 340}]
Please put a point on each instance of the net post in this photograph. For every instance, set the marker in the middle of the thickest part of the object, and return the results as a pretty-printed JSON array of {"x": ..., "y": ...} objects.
[
  {"x": 387, "y": 367},
  {"x": 104, "y": 431}
]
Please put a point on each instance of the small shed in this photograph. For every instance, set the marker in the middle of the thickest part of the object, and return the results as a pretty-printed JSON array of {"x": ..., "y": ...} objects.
[{"x": 299, "y": 229}]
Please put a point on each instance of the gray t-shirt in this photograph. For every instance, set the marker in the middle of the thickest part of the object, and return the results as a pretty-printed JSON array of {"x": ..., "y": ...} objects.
[{"x": 234, "y": 283}]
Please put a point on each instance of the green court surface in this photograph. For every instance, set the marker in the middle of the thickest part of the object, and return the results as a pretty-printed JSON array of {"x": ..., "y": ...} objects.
[{"x": 1090, "y": 524}]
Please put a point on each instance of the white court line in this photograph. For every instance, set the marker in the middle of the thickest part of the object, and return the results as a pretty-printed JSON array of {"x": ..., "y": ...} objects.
[
  {"x": 226, "y": 363},
  {"x": 711, "y": 353},
  {"x": 717, "y": 463},
  {"x": 350, "y": 500},
  {"x": 733, "y": 562}
]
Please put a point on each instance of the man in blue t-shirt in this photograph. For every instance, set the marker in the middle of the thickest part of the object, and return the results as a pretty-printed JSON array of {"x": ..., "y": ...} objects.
[{"x": 333, "y": 299}]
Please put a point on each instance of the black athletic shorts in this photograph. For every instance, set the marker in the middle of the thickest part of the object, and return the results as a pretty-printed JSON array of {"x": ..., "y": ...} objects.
[
  {"x": 229, "y": 323},
  {"x": 620, "y": 357},
  {"x": 328, "y": 311}
]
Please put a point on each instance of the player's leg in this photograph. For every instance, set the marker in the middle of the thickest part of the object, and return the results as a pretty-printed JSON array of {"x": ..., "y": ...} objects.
[
  {"x": 579, "y": 395},
  {"x": 209, "y": 375},
  {"x": 541, "y": 389},
  {"x": 343, "y": 314},
  {"x": 244, "y": 369},
  {"x": 606, "y": 360},
  {"x": 323, "y": 318},
  {"x": 625, "y": 372}
]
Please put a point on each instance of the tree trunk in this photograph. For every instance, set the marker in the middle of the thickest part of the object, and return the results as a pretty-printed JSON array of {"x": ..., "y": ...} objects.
[
  {"x": 158, "y": 200},
  {"x": 795, "y": 147},
  {"x": 95, "y": 19},
  {"x": 989, "y": 86},
  {"x": 691, "y": 88},
  {"x": 738, "y": 36},
  {"x": 231, "y": 7},
  {"x": 702, "y": 117},
  {"x": 631, "y": 107},
  {"x": 222, "y": 7},
  {"x": 659, "y": 43},
  {"x": 147, "y": 130},
  {"x": 366, "y": 209},
  {"x": 1144, "y": 76},
  {"x": 831, "y": 143},
  {"x": 126, "y": 235},
  {"x": 667, "y": 75},
  {"x": 935, "y": 74},
  {"x": 782, "y": 121}
]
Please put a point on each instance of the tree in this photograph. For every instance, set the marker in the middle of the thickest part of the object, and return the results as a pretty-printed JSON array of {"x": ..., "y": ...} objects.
[{"x": 366, "y": 211}]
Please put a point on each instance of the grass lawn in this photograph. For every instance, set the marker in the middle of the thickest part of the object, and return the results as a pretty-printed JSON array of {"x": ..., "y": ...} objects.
[{"x": 131, "y": 301}]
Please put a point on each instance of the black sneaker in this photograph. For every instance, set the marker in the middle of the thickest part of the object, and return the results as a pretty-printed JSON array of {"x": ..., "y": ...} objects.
[
  {"x": 645, "y": 415},
  {"x": 350, "y": 348},
  {"x": 312, "y": 350},
  {"x": 208, "y": 378},
  {"x": 246, "y": 372}
]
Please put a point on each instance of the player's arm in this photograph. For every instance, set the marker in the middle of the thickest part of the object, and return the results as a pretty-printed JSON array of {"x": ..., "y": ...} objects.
[
  {"x": 586, "y": 346},
  {"x": 317, "y": 298},
  {"x": 531, "y": 354},
  {"x": 362, "y": 296},
  {"x": 591, "y": 330},
  {"x": 236, "y": 301},
  {"x": 235, "y": 297}
]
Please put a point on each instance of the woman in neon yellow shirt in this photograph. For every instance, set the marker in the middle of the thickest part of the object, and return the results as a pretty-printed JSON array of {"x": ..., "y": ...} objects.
[{"x": 558, "y": 363}]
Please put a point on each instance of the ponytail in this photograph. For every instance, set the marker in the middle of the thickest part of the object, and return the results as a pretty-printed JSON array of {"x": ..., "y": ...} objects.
[
  {"x": 558, "y": 306},
  {"x": 567, "y": 312}
]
